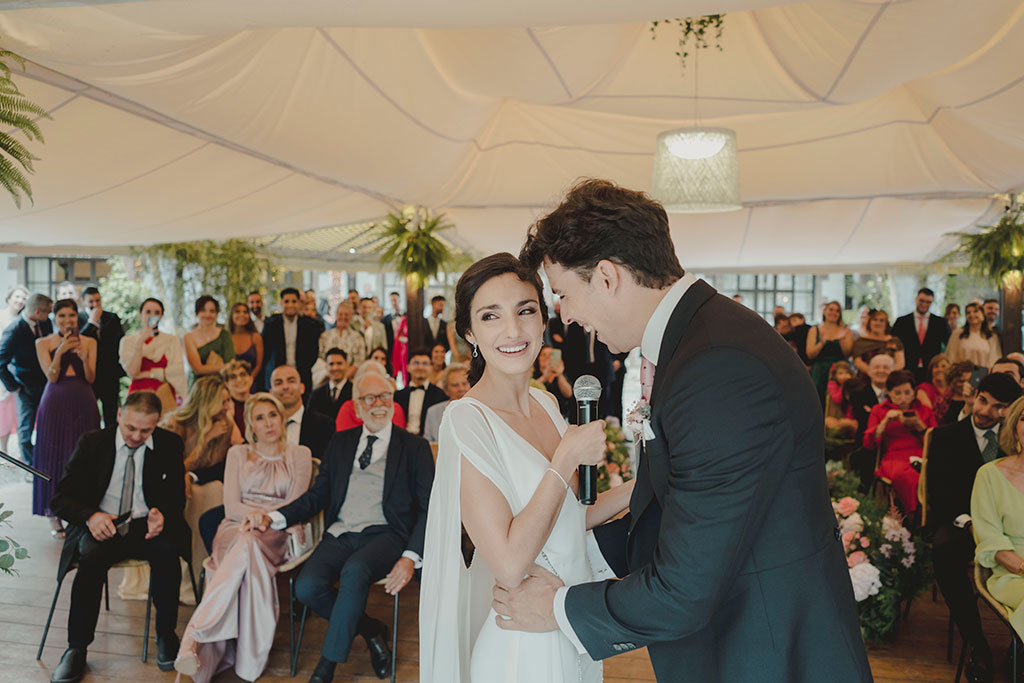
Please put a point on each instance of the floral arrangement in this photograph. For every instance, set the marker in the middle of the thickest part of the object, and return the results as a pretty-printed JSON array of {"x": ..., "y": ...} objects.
[{"x": 617, "y": 468}]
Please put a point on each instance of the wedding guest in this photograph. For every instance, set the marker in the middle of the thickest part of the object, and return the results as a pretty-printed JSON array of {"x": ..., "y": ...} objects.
[
  {"x": 153, "y": 359},
  {"x": 344, "y": 337},
  {"x": 975, "y": 341},
  {"x": 245, "y": 340},
  {"x": 875, "y": 340},
  {"x": 20, "y": 371},
  {"x": 348, "y": 415},
  {"x": 327, "y": 398},
  {"x": 863, "y": 400},
  {"x": 255, "y": 301},
  {"x": 398, "y": 366},
  {"x": 132, "y": 470},
  {"x": 309, "y": 310},
  {"x": 436, "y": 331},
  {"x": 952, "y": 316},
  {"x": 370, "y": 535},
  {"x": 455, "y": 384},
  {"x": 934, "y": 393},
  {"x": 827, "y": 343},
  {"x": 393, "y": 318},
  {"x": 1009, "y": 366},
  {"x": 380, "y": 355},
  {"x": 236, "y": 619},
  {"x": 958, "y": 390},
  {"x": 16, "y": 299},
  {"x": 782, "y": 325},
  {"x": 67, "y": 408},
  {"x": 237, "y": 376},
  {"x": 584, "y": 354},
  {"x": 839, "y": 410},
  {"x": 105, "y": 328},
  {"x": 991, "y": 309},
  {"x": 897, "y": 427},
  {"x": 416, "y": 399},
  {"x": 66, "y": 290},
  {"x": 798, "y": 335},
  {"x": 366, "y": 325},
  {"x": 956, "y": 452},
  {"x": 208, "y": 346},
  {"x": 923, "y": 334},
  {"x": 437, "y": 363},
  {"x": 8, "y": 403},
  {"x": 862, "y": 319},
  {"x": 353, "y": 298},
  {"x": 550, "y": 374},
  {"x": 554, "y": 329},
  {"x": 290, "y": 339},
  {"x": 302, "y": 427}
]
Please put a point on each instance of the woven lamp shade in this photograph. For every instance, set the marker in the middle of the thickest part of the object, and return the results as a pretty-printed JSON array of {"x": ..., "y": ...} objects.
[{"x": 696, "y": 171}]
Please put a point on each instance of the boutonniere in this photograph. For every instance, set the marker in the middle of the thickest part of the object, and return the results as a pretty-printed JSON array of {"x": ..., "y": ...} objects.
[{"x": 638, "y": 420}]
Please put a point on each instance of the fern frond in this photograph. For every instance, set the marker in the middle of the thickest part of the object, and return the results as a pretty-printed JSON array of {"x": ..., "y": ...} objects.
[{"x": 14, "y": 181}]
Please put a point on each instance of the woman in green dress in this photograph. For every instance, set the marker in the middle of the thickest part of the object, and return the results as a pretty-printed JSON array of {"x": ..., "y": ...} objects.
[
  {"x": 208, "y": 346},
  {"x": 827, "y": 343}
]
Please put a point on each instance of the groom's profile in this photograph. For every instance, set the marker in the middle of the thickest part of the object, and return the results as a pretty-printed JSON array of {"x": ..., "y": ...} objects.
[{"x": 734, "y": 568}]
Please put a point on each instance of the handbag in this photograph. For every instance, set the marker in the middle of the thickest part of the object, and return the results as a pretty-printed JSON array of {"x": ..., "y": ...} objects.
[{"x": 300, "y": 539}]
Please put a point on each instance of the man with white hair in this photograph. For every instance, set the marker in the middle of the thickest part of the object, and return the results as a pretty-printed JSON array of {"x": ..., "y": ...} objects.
[
  {"x": 862, "y": 401},
  {"x": 373, "y": 487},
  {"x": 455, "y": 383}
]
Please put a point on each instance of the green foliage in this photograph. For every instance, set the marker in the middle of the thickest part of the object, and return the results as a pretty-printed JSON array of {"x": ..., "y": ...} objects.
[
  {"x": 10, "y": 550},
  {"x": 17, "y": 113},
  {"x": 998, "y": 250},
  {"x": 123, "y": 294},
  {"x": 699, "y": 29},
  {"x": 411, "y": 245},
  {"x": 617, "y": 467}
]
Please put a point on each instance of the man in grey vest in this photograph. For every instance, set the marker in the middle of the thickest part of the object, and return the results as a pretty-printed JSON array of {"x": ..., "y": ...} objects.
[{"x": 373, "y": 486}]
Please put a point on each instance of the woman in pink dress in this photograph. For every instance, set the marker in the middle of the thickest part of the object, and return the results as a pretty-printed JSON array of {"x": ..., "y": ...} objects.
[
  {"x": 235, "y": 622},
  {"x": 400, "y": 352}
]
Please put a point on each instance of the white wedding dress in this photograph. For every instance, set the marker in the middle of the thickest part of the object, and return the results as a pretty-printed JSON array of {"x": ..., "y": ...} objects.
[{"x": 459, "y": 639}]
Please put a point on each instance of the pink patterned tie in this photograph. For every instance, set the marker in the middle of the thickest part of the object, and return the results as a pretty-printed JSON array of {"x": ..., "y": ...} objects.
[{"x": 646, "y": 378}]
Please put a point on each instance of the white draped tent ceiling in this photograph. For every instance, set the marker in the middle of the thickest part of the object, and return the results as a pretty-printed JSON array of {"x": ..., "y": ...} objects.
[{"x": 867, "y": 130}]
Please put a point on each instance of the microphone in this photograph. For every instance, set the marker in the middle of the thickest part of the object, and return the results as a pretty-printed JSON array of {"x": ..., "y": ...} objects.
[{"x": 587, "y": 390}]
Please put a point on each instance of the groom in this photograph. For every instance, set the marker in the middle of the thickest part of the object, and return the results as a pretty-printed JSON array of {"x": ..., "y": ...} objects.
[{"x": 736, "y": 571}]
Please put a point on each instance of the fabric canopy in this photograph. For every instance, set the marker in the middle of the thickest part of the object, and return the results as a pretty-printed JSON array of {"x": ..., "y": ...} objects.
[{"x": 867, "y": 130}]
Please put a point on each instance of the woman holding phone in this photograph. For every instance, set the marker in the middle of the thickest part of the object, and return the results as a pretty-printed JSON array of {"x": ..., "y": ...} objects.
[
  {"x": 68, "y": 407},
  {"x": 153, "y": 359}
]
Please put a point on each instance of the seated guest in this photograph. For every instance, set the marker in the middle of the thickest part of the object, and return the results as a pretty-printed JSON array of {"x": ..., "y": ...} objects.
[
  {"x": 208, "y": 346},
  {"x": 997, "y": 517},
  {"x": 345, "y": 338},
  {"x": 956, "y": 452},
  {"x": 550, "y": 376},
  {"x": 236, "y": 620},
  {"x": 897, "y": 427},
  {"x": 934, "y": 391},
  {"x": 437, "y": 363},
  {"x": 974, "y": 342},
  {"x": 327, "y": 398},
  {"x": 373, "y": 487},
  {"x": 1009, "y": 366},
  {"x": 455, "y": 384},
  {"x": 420, "y": 394},
  {"x": 838, "y": 410},
  {"x": 237, "y": 376},
  {"x": 132, "y": 472},
  {"x": 153, "y": 359},
  {"x": 958, "y": 390},
  {"x": 247, "y": 342},
  {"x": 348, "y": 417},
  {"x": 863, "y": 400},
  {"x": 878, "y": 338}
]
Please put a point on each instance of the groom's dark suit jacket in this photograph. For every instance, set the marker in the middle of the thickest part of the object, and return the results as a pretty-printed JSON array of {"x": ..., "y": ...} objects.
[{"x": 737, "y": 572}]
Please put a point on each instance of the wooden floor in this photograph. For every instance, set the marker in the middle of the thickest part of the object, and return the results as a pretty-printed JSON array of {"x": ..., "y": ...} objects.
[{"x": 916, "y": 654}]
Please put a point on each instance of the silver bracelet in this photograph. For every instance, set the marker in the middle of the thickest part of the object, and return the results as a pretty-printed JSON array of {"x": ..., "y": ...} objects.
[{"x": 552, "y": 469}]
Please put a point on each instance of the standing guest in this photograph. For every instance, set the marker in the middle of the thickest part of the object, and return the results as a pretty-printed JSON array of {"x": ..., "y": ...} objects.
[
  {"x": 991, "y": 310},
  {"x": 366, "y": 325},
  {"x": 455, "y": 384},
  {"x": 153, "y": 359},
  {"x": 416, "y": 399},
  {"x": 344, "y": 337},
  {"x": 393, "y": 319},
  {"x": 436, "y": 330},
  {"x": 437, "y": 363},
  {"x": 934, "y": 393},
  {"x": 975, "y": 341},
  {"x": 923, "y": 334},
  {"x": 237, "y": 376},
  {"x": 838, "y": 409},
  {"x": 400, "y": 353},
  {"x": 585, "y": 354},
  {"x": 862, "y": 319},
  {"x": 20, "y": 371},
  {"x": 255, "y": 301},
  {"x": 958, "y": 390},
  {"x": 380, "y": 355},
  {"x": 952, "y": 316},
  {"x": 554, "y": 329},
  {"x": 617, "y": 385},
  {"x": 956, "y": 452},
  {"x": 309, "y": 310},
  {"x": 209, "y": 346},
  {"x": 550, "y": 374},
  {"x": 827, "y": 343},
  {"x": 67, "y": 408},
  {"x": 875, "y": 340},
  {"x": 290, "y": 339},
  {"x": 67, "y": 290},
  {"x": 373, "y": 488},
  {"x": 105, "y": 328},
  {"x": 782, "y": 325},
  {"x": 798, "y": 335},
  {"x": 328, "y": 397},
  {"x": 245, "y": 340},
  {"x": 8, "y": 409},
  {"x": 348, "y": 414},
  {"x": 897, "y": 428},
  {"x": 236, "y": 619},
  {"x": 353, "y": 298},
  {"x": 134, "y": 470}
]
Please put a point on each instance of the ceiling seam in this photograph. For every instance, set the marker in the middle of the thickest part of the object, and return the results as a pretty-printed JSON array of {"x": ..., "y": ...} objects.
[
  {"x": 220, "y": 205},
  {"x": 856, "y": 227},
  {"x": 746, "y": 231},
  {"x": 551, "y": 63},
  {"x": 856, "y": 48}
]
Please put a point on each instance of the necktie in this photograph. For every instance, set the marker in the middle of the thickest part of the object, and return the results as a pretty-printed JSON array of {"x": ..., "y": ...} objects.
[
  {"x": 364, "y": 459},
  {"x": 127, "y": 489},
  {"x": 35, "y": 330},
  {"x": 646, "y": 378},
  {"x": 922, "y": 329},
  {"x": 422, "y": 387},
  {"x": 334, "y": 394},
  {"x": 991, "y": 451}
]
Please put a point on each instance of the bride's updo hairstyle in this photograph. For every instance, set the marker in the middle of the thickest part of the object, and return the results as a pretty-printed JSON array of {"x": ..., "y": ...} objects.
[{"x": 475, "y": 276}]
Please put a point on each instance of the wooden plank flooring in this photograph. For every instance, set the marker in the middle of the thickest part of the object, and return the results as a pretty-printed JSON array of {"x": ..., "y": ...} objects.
[{"x": 916, "y": 654}]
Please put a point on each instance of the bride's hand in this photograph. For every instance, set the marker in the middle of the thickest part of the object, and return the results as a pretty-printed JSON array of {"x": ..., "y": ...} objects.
[{"x": 581, "y": 445}]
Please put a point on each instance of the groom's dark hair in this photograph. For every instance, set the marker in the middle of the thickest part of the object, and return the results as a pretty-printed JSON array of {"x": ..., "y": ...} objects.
[{"x": 599, "y": 220}]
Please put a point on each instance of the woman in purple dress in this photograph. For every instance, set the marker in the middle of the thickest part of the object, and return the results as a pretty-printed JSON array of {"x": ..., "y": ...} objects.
[{"x": 68, "y": 407}]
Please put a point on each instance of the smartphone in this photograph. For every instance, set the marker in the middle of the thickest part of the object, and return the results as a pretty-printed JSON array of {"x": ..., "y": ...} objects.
[
  {"x": 154, "y": 322},
  {"x": 123, "y": 520},
  {"x": 909, "y": 413},
  {"x": 73, "y": 332},
  {"x": 556, "y": 357},
  {"x": 977, "y": 375}
]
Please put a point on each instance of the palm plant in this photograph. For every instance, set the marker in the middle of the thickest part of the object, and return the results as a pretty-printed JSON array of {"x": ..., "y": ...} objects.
[
  {"x": 17, "y": 113},
  {"x": 412, "y": 248}
]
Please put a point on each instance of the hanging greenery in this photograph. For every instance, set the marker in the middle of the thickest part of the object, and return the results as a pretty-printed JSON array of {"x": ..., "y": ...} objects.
[
  {"x": 17, "y": 113},
  {"x": 698, "y": 29}
]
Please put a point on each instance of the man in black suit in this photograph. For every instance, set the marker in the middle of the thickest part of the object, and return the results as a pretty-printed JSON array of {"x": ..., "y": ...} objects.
[
  {"x": 435, "y": 331},
  {"x": 392, "y": 320},
  {"x": 105, "y": 328},
  {"x": 123, "y": 493},
  {"x": 991, "y": 309},
  {"x": 327, "y": 399},
  {"x": 736, "y": 570},
  {"x": 291, "y": 339},
  {"x": 417, "y": 398},
  {"x": 923, "y": 335},
  {"x": 554, "y": 330},
  {"x": 956, "y": 452},
  {"x": 19, "y": 365},
  {"x": 373, "y": 486}
]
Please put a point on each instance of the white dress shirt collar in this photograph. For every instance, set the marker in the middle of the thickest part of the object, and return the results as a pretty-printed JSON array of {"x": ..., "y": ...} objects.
[
  {"x": 650, "y": 344},
  {"x": 119, "y": 441}
]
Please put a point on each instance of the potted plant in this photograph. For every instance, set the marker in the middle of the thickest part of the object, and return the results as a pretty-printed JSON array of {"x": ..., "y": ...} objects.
[{"x": 17, "y": 113}]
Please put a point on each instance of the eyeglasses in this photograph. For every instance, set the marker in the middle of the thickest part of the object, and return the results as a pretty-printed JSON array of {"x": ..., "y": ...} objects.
[{"x": 370, "y": 399}]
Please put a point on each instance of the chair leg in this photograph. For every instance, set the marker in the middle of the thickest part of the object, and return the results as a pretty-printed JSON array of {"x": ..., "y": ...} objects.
[
  {"x": 906, "y": 612},
  {"x": 394, "y": 639},
  {"x": 1013, "y": 658},
  {"x": 302, "y": 629},
  {"x": 49, "y": 618},
  {"x": 106, "y": 590},
  {"x": 145, "y": 632},
  {"x": 291, "y": 623},
  {"x": 960, "y": 665},
  {"x": 949, "y": 641}
]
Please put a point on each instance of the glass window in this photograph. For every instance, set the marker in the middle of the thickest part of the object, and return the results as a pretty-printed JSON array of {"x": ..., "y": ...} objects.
[
  {"x": 748, "y": 281},
  {"x": 82, "y": 270}
]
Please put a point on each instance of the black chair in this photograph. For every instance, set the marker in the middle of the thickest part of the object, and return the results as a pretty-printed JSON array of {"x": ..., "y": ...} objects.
[{"x": 981, "y": 576}]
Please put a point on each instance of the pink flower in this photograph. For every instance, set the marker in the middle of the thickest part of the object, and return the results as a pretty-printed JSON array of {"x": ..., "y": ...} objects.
[
  {"x": 856, "y": 558},
  {"x": 847, "y": 506},
  {"x": 864, "y": 542},
  {"x": 848, "y": 539},
  {"x": 612, "y": 468}
]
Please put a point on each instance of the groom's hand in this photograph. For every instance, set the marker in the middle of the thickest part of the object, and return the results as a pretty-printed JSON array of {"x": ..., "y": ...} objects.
[{"x": 530, "y": 606}]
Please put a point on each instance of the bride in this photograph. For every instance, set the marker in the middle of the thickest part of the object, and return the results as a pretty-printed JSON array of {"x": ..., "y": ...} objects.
[{"x": 506, "y": 471}]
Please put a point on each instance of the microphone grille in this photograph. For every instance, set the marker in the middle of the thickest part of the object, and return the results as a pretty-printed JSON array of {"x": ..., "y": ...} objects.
[{"x": 586, "y": 388}]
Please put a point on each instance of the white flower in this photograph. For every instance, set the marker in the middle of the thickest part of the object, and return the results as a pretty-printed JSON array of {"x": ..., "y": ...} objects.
[
  {"x": 892, "y": 529},
  {"x": 865, "y": 580},
  {"x": 852, "y": 523},
  {"x": 908, "y": 561},
  {"x": 885, "y": 549}
]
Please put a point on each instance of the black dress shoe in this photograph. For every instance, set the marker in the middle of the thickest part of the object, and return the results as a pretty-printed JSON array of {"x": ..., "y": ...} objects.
[
  {"x": 167, "y": 651},
  {"x": 380, "y": 655},
  {"x": 71, "y": 667},
  {"x": 324, "y": 671}
]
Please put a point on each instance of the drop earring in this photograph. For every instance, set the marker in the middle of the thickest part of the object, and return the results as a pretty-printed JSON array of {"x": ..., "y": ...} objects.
[{"x": 476, "y": 351}]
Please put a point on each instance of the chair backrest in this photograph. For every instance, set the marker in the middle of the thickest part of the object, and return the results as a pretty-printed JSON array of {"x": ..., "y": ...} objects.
[
  {"x": 922, "y": 486},
  {"x": 433, "y": 450},
  {"x": 317, "y": 522},
  {"x": 981, "y": 576}
]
